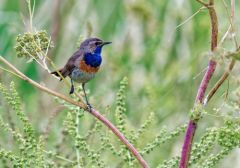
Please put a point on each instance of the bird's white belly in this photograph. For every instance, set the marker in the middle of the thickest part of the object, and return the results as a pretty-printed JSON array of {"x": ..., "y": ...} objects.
[{"x": 81, "y": 76}]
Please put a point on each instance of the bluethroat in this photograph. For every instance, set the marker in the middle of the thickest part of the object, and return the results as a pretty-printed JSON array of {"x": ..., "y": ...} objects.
[{"x": 82, "y": 66}]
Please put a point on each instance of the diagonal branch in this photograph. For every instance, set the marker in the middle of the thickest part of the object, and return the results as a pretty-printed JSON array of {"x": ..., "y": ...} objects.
[
  {"x": 219, "y": 82},
  {"x": 203, "y": 3},
  {"x": 235, "y": 54},
  {"x": 93, "y": 112}
]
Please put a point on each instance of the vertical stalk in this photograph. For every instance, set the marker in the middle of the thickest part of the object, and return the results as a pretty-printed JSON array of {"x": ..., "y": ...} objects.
[
  {"x": 192, "y": 126},
  {"x": 77, "y": 132}
]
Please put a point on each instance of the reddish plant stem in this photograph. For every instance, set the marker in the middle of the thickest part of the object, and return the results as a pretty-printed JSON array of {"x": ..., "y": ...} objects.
[
  {"x": 187, "y": 144},
  {"x": 120, "y": 136},
  {"x": 192, "y": 126},
  {"x": 220, "y": 82},
  {"x": 93, "y": 112},
  {"x": 232, "y": 63},
  {"x": 204, "y": 84}
]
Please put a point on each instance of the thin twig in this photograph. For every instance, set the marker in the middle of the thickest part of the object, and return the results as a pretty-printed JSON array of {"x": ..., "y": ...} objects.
[
  {"x": 59, "y": 157},
  {"x": 4, "y": 69},
  {"x": 77, "y": 133},
  {"x": 189, "y": 18},
  {"x": 31, "y": 13},
  {"x": 232, "y": 63},
  {"x": 94, "y": 112},
  {"x": 231, "y": 27},
  {"x": 219, "y": 82},
  {"x": 203, "y": 3}
]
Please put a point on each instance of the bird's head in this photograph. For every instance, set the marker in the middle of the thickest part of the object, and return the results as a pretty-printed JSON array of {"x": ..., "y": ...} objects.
[{"x": 93, "y": 45}]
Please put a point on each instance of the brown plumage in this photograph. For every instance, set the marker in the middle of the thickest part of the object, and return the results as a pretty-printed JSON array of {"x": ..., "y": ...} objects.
[{"x": 70, "y": 65}]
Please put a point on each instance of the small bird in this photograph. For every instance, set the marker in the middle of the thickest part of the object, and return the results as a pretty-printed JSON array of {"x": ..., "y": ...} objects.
[{"x": 82, "y": 66}]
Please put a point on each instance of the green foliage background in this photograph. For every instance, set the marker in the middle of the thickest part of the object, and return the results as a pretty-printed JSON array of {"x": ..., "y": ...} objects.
[{"x": 163, "y": 63}]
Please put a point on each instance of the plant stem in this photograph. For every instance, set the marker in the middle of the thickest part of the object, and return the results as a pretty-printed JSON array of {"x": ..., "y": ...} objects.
[
  {"x": 219, "y": 82},
  {"x": 59, "y": 157},
  {"x": 192, "y": 126},
  {"x": 231, "y": 29},
  {"x": 93, "y": 112},
  {"x": 77, "y": 132}
]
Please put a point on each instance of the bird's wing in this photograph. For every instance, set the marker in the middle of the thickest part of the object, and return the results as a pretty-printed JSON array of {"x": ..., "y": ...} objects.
[{"x": 73, "y": 61}]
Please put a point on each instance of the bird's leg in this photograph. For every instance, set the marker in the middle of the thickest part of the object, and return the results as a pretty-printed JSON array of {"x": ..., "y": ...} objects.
[
  {"x": 85, "y": 95},
  {"x": 72, "y": 87}
]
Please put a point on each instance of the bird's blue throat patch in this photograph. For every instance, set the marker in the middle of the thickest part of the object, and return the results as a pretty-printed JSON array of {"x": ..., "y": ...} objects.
[{"x": 93, "y": 60}]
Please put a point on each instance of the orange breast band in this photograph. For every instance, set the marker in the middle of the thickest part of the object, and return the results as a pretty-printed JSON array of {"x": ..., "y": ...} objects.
[{"x": 87, "y": 68}]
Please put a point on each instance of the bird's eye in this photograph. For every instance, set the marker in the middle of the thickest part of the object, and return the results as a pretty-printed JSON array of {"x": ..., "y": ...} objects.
[{"x": 98, "y": 43}]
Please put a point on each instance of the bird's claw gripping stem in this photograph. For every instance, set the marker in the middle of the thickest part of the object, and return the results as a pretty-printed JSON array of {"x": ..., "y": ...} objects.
[{"x": 89, "y": 107}]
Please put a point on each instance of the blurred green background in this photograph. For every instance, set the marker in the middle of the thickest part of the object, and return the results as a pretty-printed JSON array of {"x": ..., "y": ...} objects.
[{"x": 164, "y": 63}]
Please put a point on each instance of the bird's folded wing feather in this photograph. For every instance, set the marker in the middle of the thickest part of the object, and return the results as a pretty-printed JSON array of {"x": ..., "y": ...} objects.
[{"x": 74, "y": 60}]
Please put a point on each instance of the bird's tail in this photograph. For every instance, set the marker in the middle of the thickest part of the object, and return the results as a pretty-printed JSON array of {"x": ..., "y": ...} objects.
[{"x": 64, "y": 72}]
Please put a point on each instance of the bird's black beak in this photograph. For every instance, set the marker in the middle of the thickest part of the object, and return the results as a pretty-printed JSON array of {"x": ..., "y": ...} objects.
[{"x": 105, "y": 43}]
